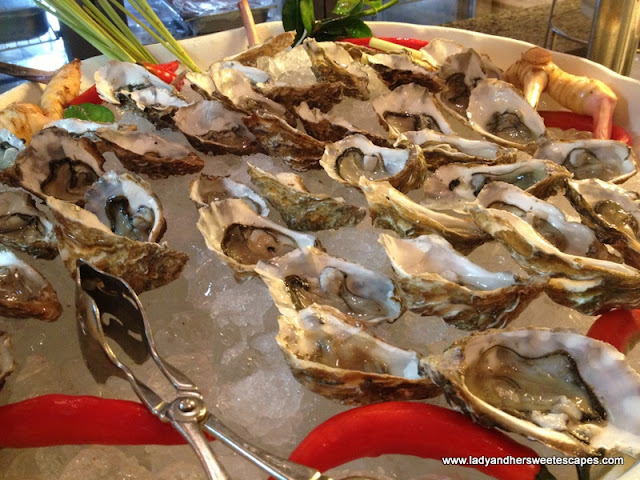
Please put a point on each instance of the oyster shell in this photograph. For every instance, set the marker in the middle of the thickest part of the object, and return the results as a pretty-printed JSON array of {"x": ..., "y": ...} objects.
[
  {"x": 410, "y": 108},
  {"x": 127, "y": 206},
  {"x": 241, "y": 238},
  {"x": 308, "y": 276},
  {"x": 396, "y": 69},
  {"x": 7, "y": 363},
  {"x": 330, "y": 356},
  {"x": 10, "y": 146},
  {"x": 149, "y": 153},
  {"x": 116, "y": 80},
  {"x": 300, "y": 209},
  {"x": 501, "y": 113},
  {"x": 24, "y": 292},
  {"x": 437, "y": 280},
  {"x": 59, "y": 165},
  {"x": 451, "y": 184},
  {"x": 355, "y": 156},
  {"x": 612, "y": 211},
  {"x": 608, "y": 160},
  {"x": 268, "y": 48},
  {"x": 205, "y": 189},
  {"x": 392, "y": 210},
  {"x": 211, "y": 127},
  {"x": 560, "y": 388},
  {"x": 25, "y": 227},
  {"x": 143, "y": 265}
]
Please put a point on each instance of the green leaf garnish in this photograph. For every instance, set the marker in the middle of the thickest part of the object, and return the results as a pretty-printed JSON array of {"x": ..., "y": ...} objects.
[{"x": 91, "y": 112}]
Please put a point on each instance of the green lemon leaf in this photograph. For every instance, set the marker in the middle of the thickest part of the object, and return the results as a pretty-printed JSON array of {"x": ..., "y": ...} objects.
[
  {"x": 307, "y": 15},
  {"x": 291, "y": 19},
  {"x": 343, "y": 28},
  {"x": 373, "y": 3},
  {"x": 348, "y": 7},
  {"x": 89, "y": 111}
]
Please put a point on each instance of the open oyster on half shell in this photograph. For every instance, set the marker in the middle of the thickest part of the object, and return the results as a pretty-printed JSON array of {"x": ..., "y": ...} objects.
[
  {"x": 436, "y": 280},
  {"x": 7, "y": 363},
  {"x": 356, "y": 156},
  {"x": 332, "y": 357},
  {"x": 308, "y": 275},
  {"x": 205, "y": 189},
  {"x": 299, "y": 208},
  {"x": 568, "y": 391},
  {"x": 10, "y": 146},
  {"x": 241, "y": 238}
]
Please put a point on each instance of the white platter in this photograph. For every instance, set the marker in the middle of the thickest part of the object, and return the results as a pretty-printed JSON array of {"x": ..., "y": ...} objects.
[{"x": 221, "y": 333}]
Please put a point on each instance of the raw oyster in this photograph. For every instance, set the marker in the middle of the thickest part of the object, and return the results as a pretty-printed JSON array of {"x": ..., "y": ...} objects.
[
  {"x": 330, "y": 356},
  {"x": 116, "y": 80},
  {"x": 410, "y": 108},
  {"x": 451, "y": 184},
  {"x": 24, "y": 292},
  {"x": 205, "y": 189},
  {"x": 437, "y": 280},
  {"x": 560, "y": 388},
  {"x": 548, "y": 221},
  {"x": 212, "y": 127},
  {"x": 85, "y": 128},
  {"x": 10, "y": 146},
  {"x": 241, "y": 238},
  {"x": 392, "y": 210},
  {"x": 143, "y": 265},
  {"x": 7, "y": 363},
  {"x": 308, "y": 276},
  {"x": 612, "y": 211},
  {"x": 268, "y": 48},
  {"x": 24, "y": 226},
  {"x": 127, "y": 206},
  {"x": 59, "y": 165},
  {"x": 299, "y": 150},
  {"x": 589, "y": 285},
  {"x": 592, "y": 158},
  {"x": 438, "y": 50},
  {"x": 356, "y": 156},
  {"x": 149, "y": 153},
  {"x": 396, "y": 69},
  {"x": 499, "y": 112},
  {"x": 300, "y": 209},
  {"x": 440, "y": 149}
]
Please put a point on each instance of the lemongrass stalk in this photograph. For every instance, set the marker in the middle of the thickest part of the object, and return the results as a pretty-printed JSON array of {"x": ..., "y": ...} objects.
[{"x": 126, "y": 31}]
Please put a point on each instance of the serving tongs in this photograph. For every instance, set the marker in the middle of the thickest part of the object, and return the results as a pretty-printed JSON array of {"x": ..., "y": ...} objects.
[{"x": 107, "y": 308}]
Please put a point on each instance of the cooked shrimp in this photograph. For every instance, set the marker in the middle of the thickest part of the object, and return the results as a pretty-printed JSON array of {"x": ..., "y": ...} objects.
[
  {"x": 23, "y": 120},
  {"x": 535, "y": 72},
  {"x": 62, "y": 88}
]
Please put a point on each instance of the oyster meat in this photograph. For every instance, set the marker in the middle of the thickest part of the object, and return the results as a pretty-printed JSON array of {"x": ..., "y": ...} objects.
[
  {"x": 343, "y": 362},
  {"x": 10, "y": 146},
  {"x": 437, "y": 280},
  {"x": 560, "y": 388},
  {"x": 396, "y": 69},
  {"x": 300, "y": 209},
  {"x": 205, "y": 189},
  {"x": 309, "y": 276},
  {"x": 7, "y": 363}
]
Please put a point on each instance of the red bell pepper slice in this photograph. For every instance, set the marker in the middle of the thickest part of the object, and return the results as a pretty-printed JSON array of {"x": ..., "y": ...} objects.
[
  {"x": 414, "y": 43},
  {"x": 90, "y": 95},
  {"x": 620, "y": 328},
  {"x": 81, "y": 420},
  {"x": 566, "y": 120},
  {"x": 418, "y": 429}
]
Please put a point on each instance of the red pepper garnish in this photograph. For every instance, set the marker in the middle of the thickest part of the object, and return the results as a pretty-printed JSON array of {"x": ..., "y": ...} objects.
[
  {"x": 90, "y": 95},
  {"x": 81, "y": 420},
  {"x": 418, "y": 429},
  {"x": 620, "y": 328},
  {"x": 566, "y": 120},
  {"x": 414, "y": 43}
]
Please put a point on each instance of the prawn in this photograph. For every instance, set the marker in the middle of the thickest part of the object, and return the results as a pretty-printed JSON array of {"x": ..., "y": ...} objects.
[{"x": 63, "y": 87}]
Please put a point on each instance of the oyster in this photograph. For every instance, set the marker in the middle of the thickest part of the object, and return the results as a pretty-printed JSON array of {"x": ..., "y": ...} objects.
[
  {"x": 410, "y": 108},
  {"x": 462, "y": 183},
  {"x": 149, "y": 153},
  {"x": 25, "y": 227},
  {"x": 589, "y": 285},
  {"x": 330, "y": 356},
  {"x": 608, "y": 160},
  {"x": 116, "y": 80},
  {"x": 499, "y": 112},
  {"x": 59, "y": 165},
  {"x": 10, "y": 146},
  {"x": 7, "y": 363},
  {"x": 392, "y": 210},
  {"x": 211, "y": 127},
  {"x": 268, "y": 48},
  {"x": 85, "y": 128},
  {"x": 560, "y": 388},
  {"x": 356, "y": 156},
  {"x": 548, "y": 221},
  {"x": 241, "y": 238},
  {"x": 127, "y": 206},
  {"x": 612, "y": 211},
  {"x": 309, "y": 276},
  {"x": 24, "y": 292},
  {"x": 301, "y": 209},
  {"x": 205, "y": 189},
  {"x": 143, "y": 265},
  {"x": 437, "y": 280},
  {"x": 396, "y": 69}
]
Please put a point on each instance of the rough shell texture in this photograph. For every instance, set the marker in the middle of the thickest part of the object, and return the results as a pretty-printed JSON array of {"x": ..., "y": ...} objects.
[
  {"x": 143, "y": 265},
  {"x": 322, "y": 95},
  {"x": 205, "y": 189},
  {"x": 400, "y": 69},
  {"x": 268, "y": 48}
]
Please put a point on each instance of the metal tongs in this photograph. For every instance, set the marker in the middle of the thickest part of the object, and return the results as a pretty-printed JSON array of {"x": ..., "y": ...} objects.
[{"x": 106, "y": 307}]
